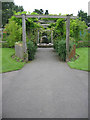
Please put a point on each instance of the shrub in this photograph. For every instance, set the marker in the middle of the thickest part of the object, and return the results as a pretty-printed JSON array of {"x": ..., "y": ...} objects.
[
  {"x": 60, "y": 48},
  {"x": 31, "y": 50},
  {"x": 14, "y": 33},
  {"x": 55, "y": 45}
]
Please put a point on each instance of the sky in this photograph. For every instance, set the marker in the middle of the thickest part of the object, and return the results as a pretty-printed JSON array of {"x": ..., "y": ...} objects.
[{"x": 55, "y": 6}]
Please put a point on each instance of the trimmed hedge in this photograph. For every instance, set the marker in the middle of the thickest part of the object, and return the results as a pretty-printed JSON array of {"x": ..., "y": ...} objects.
[{"x": 31, "y": 50}]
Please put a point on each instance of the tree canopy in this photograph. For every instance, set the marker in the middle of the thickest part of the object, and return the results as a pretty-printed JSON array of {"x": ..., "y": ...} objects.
[
  {"x": 83, "y": 15},
  {"x": 8, "y": 9}
]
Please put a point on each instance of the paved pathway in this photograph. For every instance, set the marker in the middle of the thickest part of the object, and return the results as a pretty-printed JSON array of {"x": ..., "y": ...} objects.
[{"x": 45, "y": 88}]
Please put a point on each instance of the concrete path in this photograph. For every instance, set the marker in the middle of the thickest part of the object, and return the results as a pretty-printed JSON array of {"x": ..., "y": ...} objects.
[{"x": 45, "y": 88}]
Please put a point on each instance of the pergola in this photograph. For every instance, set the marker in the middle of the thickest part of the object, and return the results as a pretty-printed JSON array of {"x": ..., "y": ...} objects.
[
  {"x": 46, "y": 31},
  {"x": 24, "y": 17}
]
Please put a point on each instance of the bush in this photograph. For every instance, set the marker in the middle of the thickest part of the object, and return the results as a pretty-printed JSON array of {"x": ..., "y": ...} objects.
[
  {"x": 78, "y": 30},
  {"x": 60, "y": 48},
  {"x": 13, "y": 34},
  {"x": 55, "y": 45},
  {"x": 31, "y": 50}
]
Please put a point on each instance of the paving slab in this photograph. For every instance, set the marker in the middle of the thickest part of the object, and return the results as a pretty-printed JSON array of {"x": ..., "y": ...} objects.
[{"x": 45, "y": 88}]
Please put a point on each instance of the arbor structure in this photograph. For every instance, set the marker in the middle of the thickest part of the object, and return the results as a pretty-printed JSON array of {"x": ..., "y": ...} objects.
[
  {"x": 68, "y": 17},
  {"x": 45, "y": 31}
]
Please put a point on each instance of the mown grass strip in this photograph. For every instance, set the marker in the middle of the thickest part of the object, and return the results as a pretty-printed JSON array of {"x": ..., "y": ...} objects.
[
  {"x": 82, "y": 63},
  {"x": 9, "y": 64}
]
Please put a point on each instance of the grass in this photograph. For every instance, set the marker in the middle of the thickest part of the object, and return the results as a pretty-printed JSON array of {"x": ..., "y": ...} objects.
[
  {"x": 8, "y": 63},
  {"x": 82, "y": 62}
]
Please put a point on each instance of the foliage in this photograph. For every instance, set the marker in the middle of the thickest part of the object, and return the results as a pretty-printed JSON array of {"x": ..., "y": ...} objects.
[
  {"x": 55, "y": 45},
  {"x": 31, "y": 50},
  {"x": 14, "y": 30},
  {"x": 60, "y": 47},
  {"x": 14, "y": 33},
  {"x": 83, "y": 16},
  {"x": 8, "y": 63},
  {"x": 46, "y": 12},
  {"x": 17, "y": 20},
  {"x": 39, "y": 11},
  {"x": 59, "y": 31},
  {"x": 82, "y": 62},
  {"x": 31, "y": 26},
  {"x": 8, "y": 9},
  {"x": 78, "y": 30}
]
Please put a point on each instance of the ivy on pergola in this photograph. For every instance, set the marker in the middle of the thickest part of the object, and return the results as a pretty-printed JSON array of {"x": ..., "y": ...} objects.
[{"x": 24, "y": 17}]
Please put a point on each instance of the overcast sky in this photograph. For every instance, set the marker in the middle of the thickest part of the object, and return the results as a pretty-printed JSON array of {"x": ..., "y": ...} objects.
[{"x": 55, "y": 6}]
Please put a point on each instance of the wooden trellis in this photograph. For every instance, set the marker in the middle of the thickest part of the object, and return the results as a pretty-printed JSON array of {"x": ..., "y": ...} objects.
[{"x": 24, "y": 17}]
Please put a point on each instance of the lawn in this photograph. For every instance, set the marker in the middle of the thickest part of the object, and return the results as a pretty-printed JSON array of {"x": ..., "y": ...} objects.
[
  {"x": 82, "y": 62},
  {"x": 8, "y": 63}
]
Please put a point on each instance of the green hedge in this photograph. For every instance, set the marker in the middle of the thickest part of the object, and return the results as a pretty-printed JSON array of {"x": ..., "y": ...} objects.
[
  {"x": 60, "y": 47},
  {"x": 31, "y": 50}
]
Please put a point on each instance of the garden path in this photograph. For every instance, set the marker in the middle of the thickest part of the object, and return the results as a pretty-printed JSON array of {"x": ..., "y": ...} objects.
[{"x": 45, "y": 88}]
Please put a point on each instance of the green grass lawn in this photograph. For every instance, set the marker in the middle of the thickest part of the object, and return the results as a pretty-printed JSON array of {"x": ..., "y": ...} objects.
[
  {"x": 9, "y": 64},
  {"x": 82, "y": 62}
]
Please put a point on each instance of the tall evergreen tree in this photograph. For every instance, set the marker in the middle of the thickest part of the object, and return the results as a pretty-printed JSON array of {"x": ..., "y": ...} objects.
[
  {"x": 8, "y": 9},
  {"x": 46, "y": 13},
  {"x": 83, "y": 16},
  {"x": 40, "y": 12}
]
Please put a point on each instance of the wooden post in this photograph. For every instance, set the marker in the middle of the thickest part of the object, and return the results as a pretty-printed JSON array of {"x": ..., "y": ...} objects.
[
  {"x": 38, "y": 37},
  {"x": 67, "y": 37},
  {"x": 24, "y": 33},
  {"x": 52, "y": 37}
]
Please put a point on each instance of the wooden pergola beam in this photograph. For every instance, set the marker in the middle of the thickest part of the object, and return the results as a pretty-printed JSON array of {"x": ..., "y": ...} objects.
[
  {"x": 45, "y": 16},
  {"x": 44, "y": 24},
  {"x": 43, "y": 21}
]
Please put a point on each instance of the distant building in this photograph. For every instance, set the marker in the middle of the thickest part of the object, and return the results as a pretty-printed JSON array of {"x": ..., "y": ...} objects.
[{"x": 89, "y": 8}]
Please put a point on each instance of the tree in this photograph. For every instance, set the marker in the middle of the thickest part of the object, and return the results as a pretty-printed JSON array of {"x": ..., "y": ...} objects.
[
  {"x": 8, "y": 9},
  {"x": 38, "y": 11},
  {"x": 41, "y": 10},
  {"x": 46, "y": 13},
  {"x": 18, "y": 8},
  {"x": 83, "y": 16}
]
